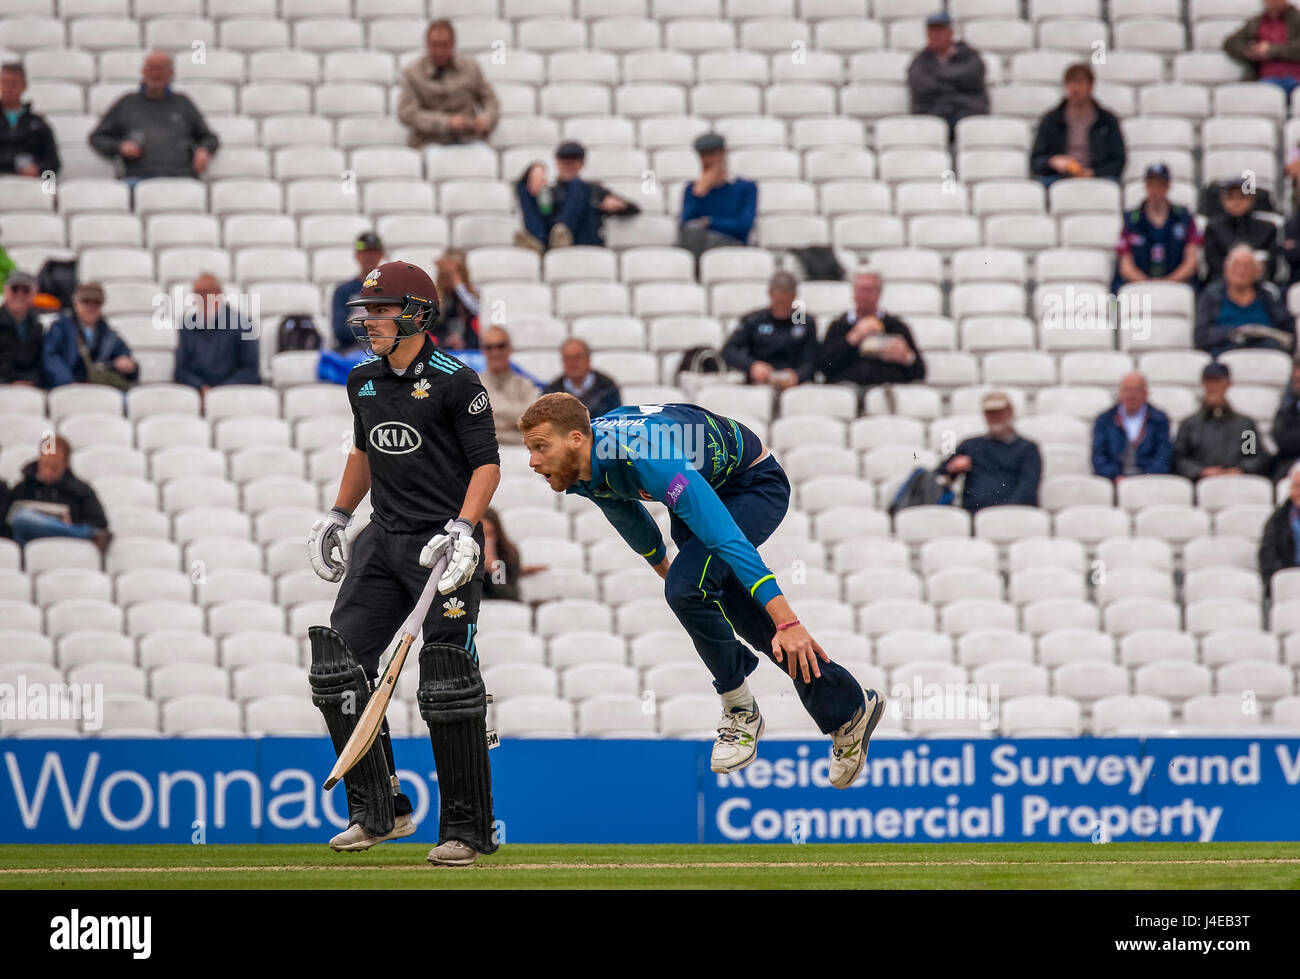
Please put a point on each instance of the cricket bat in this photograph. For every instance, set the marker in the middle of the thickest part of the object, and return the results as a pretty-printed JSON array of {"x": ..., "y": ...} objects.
[{"x": 372, "y": 718}]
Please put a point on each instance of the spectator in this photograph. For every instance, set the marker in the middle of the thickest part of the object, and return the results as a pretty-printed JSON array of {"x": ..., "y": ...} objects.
[
  {"x": 1159, "y": 239},
  {"x": 49, "y": 501},
  {"x": 947, "y": 78},
  {"x": 570, "y": 212},
  {"x": 501, "y": 564},
  {"x": 370, "y": 255},
  {"x": 866, "y": 346},
  {"x": 220, "y": 346},
  {"x": 777, "y": 345},
  {"x": 82, "y": 348},
  {"x": 1131, "y": 438},
  {"x": 27, "y": 144},
  {"x": 1291, "y": 248},
  {"x": 599, "y": 392},
  {"x": 1278, "y": 542},
  {"x": 717, "y": 210},
  {"x": 22, "y": 339},
  {"x": 1079, "y": 138},
  {"x": 562, "y": 215},
  {"x": 445, "y": 99},
  {"x": 1237, "y": 225},
  {"x": 1269, "y": 45},
  {"x": 1216, "y": 440},
  {"x": 1236, "y": 311},
  {"x": 1000, "y": 467},
  {"x": 509, "y": 393},
  {"x": 457, "y": 327},
  {"x": 154, "y": 131},
  {"x": 1286, "y": 425}
]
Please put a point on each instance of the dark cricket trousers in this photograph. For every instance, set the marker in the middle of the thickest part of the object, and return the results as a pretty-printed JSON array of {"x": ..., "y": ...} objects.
[
  {"x": 382, "y": 585},
  {"x": 715, "y": 607},
  {"x": 383, "y": 582}
]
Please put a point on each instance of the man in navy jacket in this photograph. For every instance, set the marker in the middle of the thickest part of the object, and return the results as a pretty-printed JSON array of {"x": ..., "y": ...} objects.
[
  {"x": 1131, "y": 437},
  {"x": 61, "y": 356},
  {"x": 216, "y": 345},
  {"x": 717, "y": 209}
]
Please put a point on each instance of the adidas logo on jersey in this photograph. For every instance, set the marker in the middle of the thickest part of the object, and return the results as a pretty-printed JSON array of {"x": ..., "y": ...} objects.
[{"x": 367, "y": 389}]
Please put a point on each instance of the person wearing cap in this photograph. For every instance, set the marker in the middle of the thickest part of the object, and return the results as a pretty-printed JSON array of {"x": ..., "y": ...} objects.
[
  {"x": 22, "y": 338},
  {"x": 866, "y": 346},
  {"x": 75, "y": 343},
  {"x": 370, "y": 254},
  {"x": 27, "y": 144},
  {"x": 1239, "y": 311},
  {"x": 717, "y": 209},
  {"x": 1216, "y": 440},
  {"x": 217, "y": 344},
  {"x": 777, "y": 345},
  {"x": 1286, "y": 425},
  {"x": 1237, "y": 225},
  {"x": 1159, "y": 239},
  {"x": 1269, "y": 45},
  {"x": 1000, "y": 467},
  {"x": 1078, "y": 138},
  {"x": 560, "y": 215},
  {"x": 947, "y": 78},
  {"x": 1131, "y": 437},
  {"x": 597, "y": 391},
  {"x": 445, "y": 98},
  {"x": 155, "y": 131}
]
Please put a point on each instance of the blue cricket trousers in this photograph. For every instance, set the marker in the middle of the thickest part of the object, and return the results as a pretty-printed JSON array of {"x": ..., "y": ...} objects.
[{"x": 714, "y": 607}]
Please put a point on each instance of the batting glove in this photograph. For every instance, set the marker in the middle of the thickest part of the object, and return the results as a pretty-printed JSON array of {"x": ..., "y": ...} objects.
[
  {"x": 327, "y": 534},
  {"x": 462, "y": 554}
]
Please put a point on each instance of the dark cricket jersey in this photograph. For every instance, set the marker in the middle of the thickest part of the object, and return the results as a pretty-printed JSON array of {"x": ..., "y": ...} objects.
[
  {"x": 683, "y": 456},
  {"x": 424, "y": 433}
]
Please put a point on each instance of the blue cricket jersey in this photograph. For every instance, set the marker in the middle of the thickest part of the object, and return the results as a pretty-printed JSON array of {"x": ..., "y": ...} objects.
[{"x": 680, "y": 455}]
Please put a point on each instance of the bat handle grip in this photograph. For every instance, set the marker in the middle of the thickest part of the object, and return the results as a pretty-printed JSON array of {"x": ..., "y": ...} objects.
[{"x": 411, "y": 627}]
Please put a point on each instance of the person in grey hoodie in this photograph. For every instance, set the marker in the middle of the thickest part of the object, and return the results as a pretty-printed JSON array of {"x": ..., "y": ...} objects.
[
  {"x": 155, "y": 131},
  {"x": 947, "y": 78}
]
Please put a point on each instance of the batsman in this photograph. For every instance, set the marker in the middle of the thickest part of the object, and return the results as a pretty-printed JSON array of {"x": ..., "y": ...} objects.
[
  {"x": 725, "y": 493},
  {"x": 425, "y": 449}
]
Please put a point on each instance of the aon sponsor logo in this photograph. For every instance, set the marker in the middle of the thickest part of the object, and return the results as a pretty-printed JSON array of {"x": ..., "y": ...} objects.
[{"x": 395, "y": 438}]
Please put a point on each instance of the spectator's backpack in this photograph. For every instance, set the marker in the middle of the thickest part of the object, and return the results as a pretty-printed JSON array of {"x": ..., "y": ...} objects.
[
  {"x": 922, "y": 487},
  {"x": 819, "y": 262},
  {"x": 298, "y": 332},
  {"x": 702, "y": 360},
  {"x": 58, "y": 278}
]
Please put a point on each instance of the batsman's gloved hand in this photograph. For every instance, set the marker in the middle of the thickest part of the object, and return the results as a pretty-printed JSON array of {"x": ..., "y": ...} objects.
[
  {"x": 326, "y": 534},
  {"x": 462, "y": 554}
]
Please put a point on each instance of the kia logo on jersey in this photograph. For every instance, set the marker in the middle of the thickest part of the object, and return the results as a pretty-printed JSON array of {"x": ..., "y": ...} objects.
[
  {"x": 395, "y": 438},
  {"x": 478, "y": 404}
]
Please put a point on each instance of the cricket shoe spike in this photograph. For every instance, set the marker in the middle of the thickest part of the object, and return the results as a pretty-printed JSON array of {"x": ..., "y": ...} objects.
[
  {"x": 357, "y": 837},
  {"x": 737, "y": 742},
  {"x": 849, "y": 743}
]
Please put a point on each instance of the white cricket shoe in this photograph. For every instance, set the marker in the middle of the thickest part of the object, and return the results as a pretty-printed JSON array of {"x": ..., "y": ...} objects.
[
  {"x": 357, "y": 837},
  {"x": 737, "y": 743},
  {"x": 849, "y": 743},
  {"x": 453, "y": 853}
]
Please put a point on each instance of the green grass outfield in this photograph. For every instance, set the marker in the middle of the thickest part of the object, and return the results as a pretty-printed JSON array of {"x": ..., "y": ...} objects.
[{"x": 908, "y": 865}]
